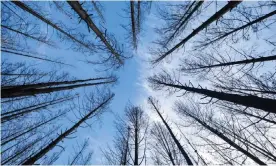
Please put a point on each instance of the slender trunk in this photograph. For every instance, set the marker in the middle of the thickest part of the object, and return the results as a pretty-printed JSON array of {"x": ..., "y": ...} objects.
[
  {"x": 217, "y": 15},
  {"x": 247, "y": 61},
  {"x": 139, "y": 17},
  {"x": 248, "y": 143},
  {"x": 34, "y": 91},
  {"x": 45, "y": 84},
  {"x": 34, "y": 106},
  {"x": 16, "y": 113},
  {"x": 185, "y": 19},
  {"x": 29, "y": 130},
  {"x": 14, "y": 74},
  {"x": 17, "y": 153},
  {"x": 48, "y": 22},
  {"x": 31, "y": 56},
  {"x": 133, "y": 27},
  {"x": 166, "y": 145},
  {"x": 45, "y": 150},
  {"x": 242, "y": 27},
  {"x": 226, "y": 139},
  {"x": 84, "y": 16},
  {"x": 12, "y": 100},
  {"x": 136, "y": 144},
  {"x": 124, "y": 162},
  {"x": 265, "y": 104},
  {"x": 184, "y": 153},
  {"x": 252, "y": 115},
  {"x": 78, "y": 154},
  {"x": 27, "y": 35}
]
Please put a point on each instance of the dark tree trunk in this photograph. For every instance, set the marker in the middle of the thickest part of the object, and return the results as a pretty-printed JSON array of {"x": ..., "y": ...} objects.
[
  {"x": 265, "y": 104},
  {"x": 31, "y": 56},
  {"x": 3, "y": 142},
  {"x": 48, "y": 22},
  {"x": 124, "y": 162},
  {"x": 45, "y": 150},
  {"x": 27, "y": 35},
  {"x": 23, "y": 111},
  {"x": 242, "y": 27},
  {"x": 217, "y": 15},
  {"x": 185, "y": 155},
  {"x": 247, "y": 61},
  {"x": 9, "y": 93},
  {"x": 184, "y": 19},
  {"x": 45, "y": 84},
  {"x": 84, "y": 16},
  {"x": 133, "y": 26},
  {"x": 136, "y": 144},
  {"x": 226, "y": 139}
]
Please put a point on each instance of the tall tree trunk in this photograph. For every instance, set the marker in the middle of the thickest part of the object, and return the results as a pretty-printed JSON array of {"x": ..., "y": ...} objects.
[
  {"x": 247, "y": 61},
  {"x": 184, "y": 19},
  {"x": 54, "y": 83},
  {"x": 133, "y": 25},
  {"x": 217, "y": 15},
  {"x": 124, "y": 162},
  {"x": 265, "y": 104},
  {"x": 35, "y": 57},
  {"x": 45, "y": 150},
  {"x": 226, "y": 139},
  {"x": 242, "y": 27},
  {"x": 7, "y": 93},
  {"x": 48, "y": 22},
  {"x": 23, "y": 111},
  {"x": 18, "y": 153},
  {"x": 185, "y": 155},
  {"x": 136, "y": 144},
  {"x": 84, "y": 16},
  {"x": 27, "y": 35},
  {"x": 250, "y": 114},
  {"x": 4, "y": 141}
]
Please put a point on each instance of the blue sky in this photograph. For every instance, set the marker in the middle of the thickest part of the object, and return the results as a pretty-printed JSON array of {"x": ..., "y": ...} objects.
[
  {"x": 125, "y": 90},
  {"x": 131, "y": 86}
]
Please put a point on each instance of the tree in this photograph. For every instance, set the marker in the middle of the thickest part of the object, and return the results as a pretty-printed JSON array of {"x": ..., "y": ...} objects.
[
  {"x": 130, "y": 142},
  {"x": 187, "y": 112},
  {"x": 103, "y": 103},
  {"x": 165, "y": 81},
  {"x": 213, "y": 18},
  {"x": 164, "y": 146},
  {"x": 76, "y": 6},
  {"x": 40, "y": 88},
  {"x": 181, "y": 149}
]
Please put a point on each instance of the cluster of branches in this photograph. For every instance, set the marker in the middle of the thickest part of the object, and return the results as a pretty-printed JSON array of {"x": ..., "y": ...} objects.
[
  {"x": 233, "y": 115},
  {"x": 110, "y": 52},
  {"x": 35, "y": 103}
]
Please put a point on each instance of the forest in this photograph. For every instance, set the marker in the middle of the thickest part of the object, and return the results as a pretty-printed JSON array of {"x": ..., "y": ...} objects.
[{"x": 138, "y": 82}]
